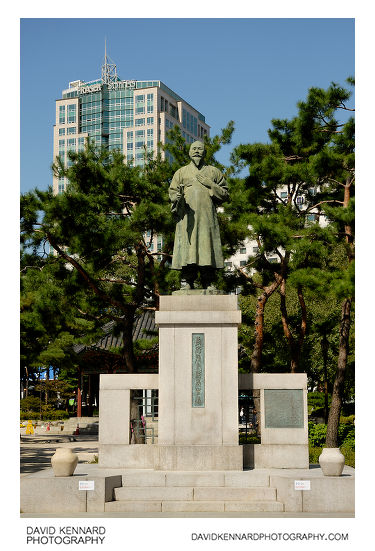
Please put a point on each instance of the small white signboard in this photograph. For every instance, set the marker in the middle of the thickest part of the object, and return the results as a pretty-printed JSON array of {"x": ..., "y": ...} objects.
[
  {"x": 302, "y": 485},
  {"x": 86, "y": 485}
]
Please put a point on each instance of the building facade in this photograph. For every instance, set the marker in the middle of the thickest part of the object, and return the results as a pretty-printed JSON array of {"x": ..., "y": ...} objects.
[{"x": 130, "y": 115}]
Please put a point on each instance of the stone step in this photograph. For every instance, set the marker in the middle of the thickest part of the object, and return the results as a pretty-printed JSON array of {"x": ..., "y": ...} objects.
[
  {"x": 239, "y": 479},
  {"x": 187, "y": 493},
  {"x": 152, "y": 493},
  {"x": 192, "y": 506},
  {"x": 234, "y": 494}
]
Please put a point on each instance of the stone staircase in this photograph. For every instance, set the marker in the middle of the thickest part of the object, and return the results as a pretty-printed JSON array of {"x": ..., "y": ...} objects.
[{"x": 182, "y": 491}]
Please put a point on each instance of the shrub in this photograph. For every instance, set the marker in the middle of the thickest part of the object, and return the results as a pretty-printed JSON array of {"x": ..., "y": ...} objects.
[
  {"x": 318, "y": 433},
  {"x": 349, "y": 419},
  {"x": 249, "y": 439},
  {"x": 348, "y": 453},
  {"x": 27, "y": 415},
  {"x": 315, "y": 400},
  {"x": 314, "y": 454},
  {"x": 30, "y": 403},
  {"x": 48, "y": 414},
  {"x": 55, "y": 414}
]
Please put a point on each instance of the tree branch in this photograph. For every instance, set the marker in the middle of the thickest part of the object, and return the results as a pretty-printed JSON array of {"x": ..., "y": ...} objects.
[
  {"x": 322, "y": 203},
  {"x": 91, "y": 283}
]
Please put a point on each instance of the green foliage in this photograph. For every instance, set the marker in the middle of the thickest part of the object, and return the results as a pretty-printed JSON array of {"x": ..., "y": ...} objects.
[
  {"x": 316, "y": 400},
  {"x": 249, "y": 439},
  {"x": 100, "y": 230},
  {"x": 103, "y": 268},
  {"x": 30, "y": 404},
  {"x": 318, "y": 432},
  {"x": 48, "y": 414},
  {"x": 349, "y": 454}
]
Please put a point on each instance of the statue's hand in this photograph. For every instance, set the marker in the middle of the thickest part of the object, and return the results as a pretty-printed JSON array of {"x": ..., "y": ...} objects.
[
  {"x": 180, "y": 192},
  {"x": 204, "y": 180}
]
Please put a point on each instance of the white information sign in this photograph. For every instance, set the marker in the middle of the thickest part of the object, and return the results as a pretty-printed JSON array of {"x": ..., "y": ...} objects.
[
  {"x": 302, "y": 485},
  {"x": 86, "y": 485}
]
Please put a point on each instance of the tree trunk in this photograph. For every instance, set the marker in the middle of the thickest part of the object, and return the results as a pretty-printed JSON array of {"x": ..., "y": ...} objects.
[
  {"x": 324, "y": 345},
  {"x": 128, "y": 351},
  {"x": 256, "y": 356},
  {"x": 338, "y": 385},
  {"x": 295, "y": 347},
  {"x": 46, "y": 394}
]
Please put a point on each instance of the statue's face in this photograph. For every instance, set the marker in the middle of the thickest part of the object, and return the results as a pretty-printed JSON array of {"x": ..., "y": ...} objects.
[{"x": 197, "y": 152}]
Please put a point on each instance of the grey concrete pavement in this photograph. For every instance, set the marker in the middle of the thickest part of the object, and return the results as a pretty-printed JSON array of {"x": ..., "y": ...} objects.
[{"x": 36, "y": 451}]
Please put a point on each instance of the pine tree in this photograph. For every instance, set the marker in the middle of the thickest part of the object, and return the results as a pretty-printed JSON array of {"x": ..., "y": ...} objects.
[
  {"x": 98, "y": 231},
  {"x": 311, "y": 153}
]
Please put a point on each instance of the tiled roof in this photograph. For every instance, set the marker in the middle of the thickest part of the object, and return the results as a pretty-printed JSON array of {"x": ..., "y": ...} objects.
[{"x": 143, "y": 328}]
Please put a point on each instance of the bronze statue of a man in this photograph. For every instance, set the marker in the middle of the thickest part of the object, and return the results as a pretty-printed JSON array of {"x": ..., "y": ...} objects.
[{"x": 195, "y": 192}]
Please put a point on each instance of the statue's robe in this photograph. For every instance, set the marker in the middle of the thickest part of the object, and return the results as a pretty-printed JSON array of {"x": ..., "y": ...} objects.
[{"x": 197, "y": 237}]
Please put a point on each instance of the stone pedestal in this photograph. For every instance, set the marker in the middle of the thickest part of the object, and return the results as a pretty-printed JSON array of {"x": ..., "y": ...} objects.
[{"x": 198, "y": 370}]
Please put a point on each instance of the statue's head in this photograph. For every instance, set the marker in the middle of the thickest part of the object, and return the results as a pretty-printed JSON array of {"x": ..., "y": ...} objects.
[{"x": 197, "y": 152}]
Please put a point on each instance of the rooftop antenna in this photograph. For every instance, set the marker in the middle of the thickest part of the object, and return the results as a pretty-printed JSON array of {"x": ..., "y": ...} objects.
[{"x": 109, "y": 70}]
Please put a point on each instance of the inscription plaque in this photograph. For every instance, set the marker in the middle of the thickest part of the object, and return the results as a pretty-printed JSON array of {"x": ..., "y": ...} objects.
[
  {"x": 283, "y": 408},
  {"x": 198, "y": 370}
]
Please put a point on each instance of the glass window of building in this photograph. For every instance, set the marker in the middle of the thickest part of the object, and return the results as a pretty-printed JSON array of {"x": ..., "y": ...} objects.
[
  {"x": 299, "y": 200},
  {"x": 140, "y": 98},
  {"x": 228, "y": 264},
  {"x": 71, "y": 144},
  {"x": 61, "y": 131},
  {"x": 139, "y": 133},
  {"x": 139, "y": 122},
  {"x": 71, "y": 113},
  {"x": 255, "y": 249},
  {"x": 243, "y": 250},
  {"x": 173, "y": 111},
  {"x": 150, "y": 108},
  {"x": 81, "y": 144},
  {"x": 129, "y": 135},
  {"x": 161, "y": 104},
  {"x": 72, "y": 130},
  {"x": 242, "y": 262},
  {"x": 150, "y": 132},
  {"x": 62, "y": 114},
  {"x": 140, "y": 110},
  {"x": 150, "y": 120},
  {"x": 284, "y": 195},
  {"x": 129, "y": 146}
]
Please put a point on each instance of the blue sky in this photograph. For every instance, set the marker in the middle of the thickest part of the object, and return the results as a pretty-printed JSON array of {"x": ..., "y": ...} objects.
[{"x": 246, "y": 70}]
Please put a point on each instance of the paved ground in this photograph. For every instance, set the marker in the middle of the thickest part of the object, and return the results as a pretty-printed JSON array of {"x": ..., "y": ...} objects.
[{"x": 36, "y": 451}]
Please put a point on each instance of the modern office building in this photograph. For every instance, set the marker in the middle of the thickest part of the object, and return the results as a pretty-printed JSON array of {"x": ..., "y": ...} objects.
[{"x": 130, "y": 115}]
